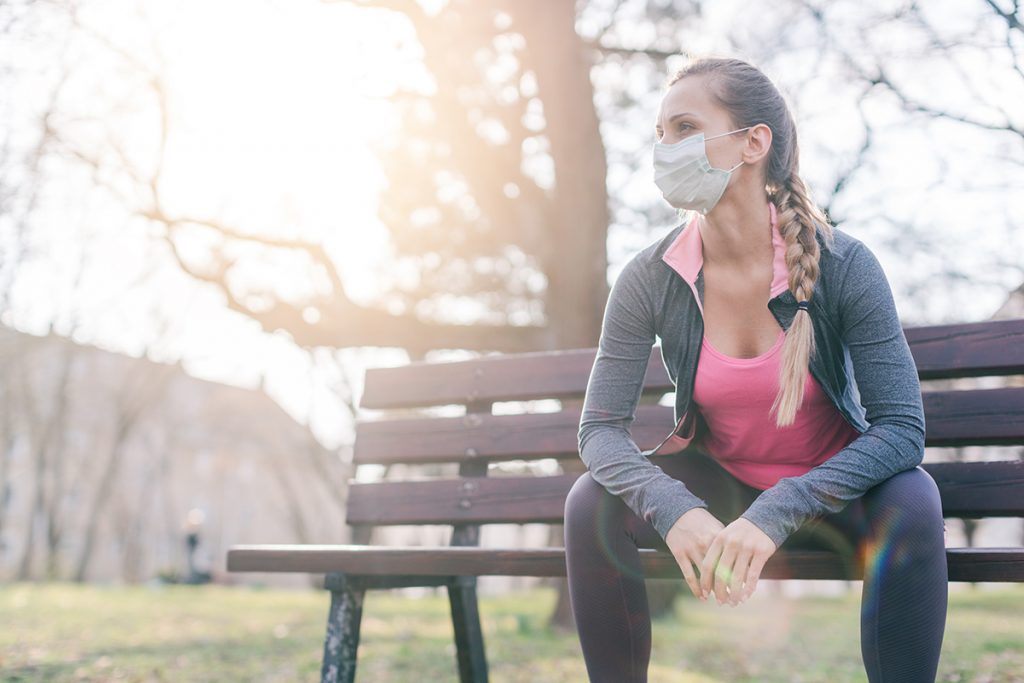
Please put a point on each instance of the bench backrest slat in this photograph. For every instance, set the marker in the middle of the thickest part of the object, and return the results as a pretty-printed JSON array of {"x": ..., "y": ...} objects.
[
  {"x": 979, "y": 417},
  {"x": 952, "y": 418},
  {"x": 968, "y": 489},
  {"x": 518, "y": 377},
  {"x": 496, "y": 437},
  {"x": 990, "y": 348}
]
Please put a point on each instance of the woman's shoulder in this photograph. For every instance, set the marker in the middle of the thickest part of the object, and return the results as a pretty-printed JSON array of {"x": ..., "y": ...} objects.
[
  {"x": 842, "y": 253},
  {"x": 651, "y": 253},
  {"x": 851, "y": 269},
  {"x": 656, "y": 248},
  {"x": 841, "y": 245}
]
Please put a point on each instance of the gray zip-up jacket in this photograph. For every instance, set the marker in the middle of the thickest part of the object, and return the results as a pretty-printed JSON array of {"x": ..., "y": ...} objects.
[{"x": 862, "y": 362}]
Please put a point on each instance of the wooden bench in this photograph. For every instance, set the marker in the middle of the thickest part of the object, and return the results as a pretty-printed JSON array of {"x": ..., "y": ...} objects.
[{"x": 473, "y": 441}]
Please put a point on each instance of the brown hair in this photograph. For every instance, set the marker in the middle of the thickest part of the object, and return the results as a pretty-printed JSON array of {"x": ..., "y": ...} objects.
[{"x": 751, "y": 98}]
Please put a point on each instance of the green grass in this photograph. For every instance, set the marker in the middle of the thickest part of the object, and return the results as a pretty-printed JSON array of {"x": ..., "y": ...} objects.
[{"x": 64, "y": 632}]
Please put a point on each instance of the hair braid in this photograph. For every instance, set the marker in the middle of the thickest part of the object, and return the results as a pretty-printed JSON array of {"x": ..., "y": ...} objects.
[{"x": 797, "y": 218}]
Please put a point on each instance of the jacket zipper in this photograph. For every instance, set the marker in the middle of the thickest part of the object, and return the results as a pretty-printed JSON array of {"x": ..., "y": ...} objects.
[{"x": 693, "y": 378}]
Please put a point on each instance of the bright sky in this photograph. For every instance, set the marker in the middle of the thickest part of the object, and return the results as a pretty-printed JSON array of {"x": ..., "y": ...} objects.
[{"x": 272, "y": 113}]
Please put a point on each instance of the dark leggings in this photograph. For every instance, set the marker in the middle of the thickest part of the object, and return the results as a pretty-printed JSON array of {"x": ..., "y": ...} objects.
[{"x": 895, "y": 530}]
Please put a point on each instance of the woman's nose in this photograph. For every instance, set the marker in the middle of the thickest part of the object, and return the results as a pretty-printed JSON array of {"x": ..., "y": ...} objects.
[{"x": 673, "y": 137}]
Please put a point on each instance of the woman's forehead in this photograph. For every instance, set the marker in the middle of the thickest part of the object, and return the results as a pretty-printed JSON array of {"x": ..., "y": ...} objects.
[{"x": 690, "y": 95}]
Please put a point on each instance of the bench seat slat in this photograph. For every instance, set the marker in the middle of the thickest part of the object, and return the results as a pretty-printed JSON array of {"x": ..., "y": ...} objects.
[
  {"x": 952, "y": 418},
  {"x": 968, "y": 489},
  {"x": 965, "y": 564}
]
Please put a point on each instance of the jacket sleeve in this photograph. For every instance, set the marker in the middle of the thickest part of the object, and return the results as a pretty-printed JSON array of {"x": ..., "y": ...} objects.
[
  {"x": 613, "y": 391},
  {"x": 890, "y": 391}
]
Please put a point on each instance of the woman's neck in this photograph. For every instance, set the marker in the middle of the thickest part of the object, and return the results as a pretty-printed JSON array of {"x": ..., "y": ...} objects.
[{"x": 736, "y": 233}]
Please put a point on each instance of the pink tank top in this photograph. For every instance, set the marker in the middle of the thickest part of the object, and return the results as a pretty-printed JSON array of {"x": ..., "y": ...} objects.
[{"x": 734, "y": 395}]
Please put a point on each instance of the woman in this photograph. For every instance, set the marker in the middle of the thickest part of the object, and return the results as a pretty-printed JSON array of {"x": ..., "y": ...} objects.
[{"x": 765, "y": 313}]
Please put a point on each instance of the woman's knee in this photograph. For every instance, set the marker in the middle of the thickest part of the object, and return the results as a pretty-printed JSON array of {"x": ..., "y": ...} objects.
[
  {"x": 590, "y": 508},
  {"x": 908, "y": 501},
  {"x": 582, "y": 499}
]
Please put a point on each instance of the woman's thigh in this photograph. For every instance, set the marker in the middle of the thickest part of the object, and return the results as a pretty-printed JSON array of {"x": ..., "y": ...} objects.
[
  {"x": 911, "y": 495},
  {"x": 908, "y": 501}
]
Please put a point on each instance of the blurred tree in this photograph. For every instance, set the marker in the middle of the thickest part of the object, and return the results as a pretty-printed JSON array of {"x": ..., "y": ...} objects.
[
  {"x": 497, "y": 194},
  {"x": 941, "y": 82}
]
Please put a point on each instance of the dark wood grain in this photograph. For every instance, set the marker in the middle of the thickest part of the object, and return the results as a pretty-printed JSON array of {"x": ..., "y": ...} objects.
[
  {"x": 981, "y": 349},
  {"x": 523, "y": 376},
  {"x": 978, "y": 349},
  {"x": 980, "y": 417},
  {"x": 953, "y": 418},
  {"x": 965, "y": 564},
  {"x": 491, "y": 437},
  {"x": 969, "y": 489}
]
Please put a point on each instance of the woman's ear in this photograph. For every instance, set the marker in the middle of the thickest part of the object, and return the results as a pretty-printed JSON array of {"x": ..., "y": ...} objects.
[{"x": 759, "y": 143}]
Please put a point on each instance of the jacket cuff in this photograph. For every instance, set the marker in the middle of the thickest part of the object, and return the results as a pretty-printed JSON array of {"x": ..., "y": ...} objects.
[
  {"x": 775, "y": 512},
  {"x": 667, "y": 503},
  {"x": 769, "y": 526}
]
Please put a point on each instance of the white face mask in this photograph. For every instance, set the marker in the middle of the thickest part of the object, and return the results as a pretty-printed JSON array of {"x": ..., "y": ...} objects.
[{"x": 684, "y": 174}]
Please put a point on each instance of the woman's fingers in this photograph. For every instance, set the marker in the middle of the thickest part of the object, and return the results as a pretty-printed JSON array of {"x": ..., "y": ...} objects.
[
  {"x": 753, "y": 574},
  {"x": 739, "y": 577},
  {"x": 707, "y": 566},
  {"x": 724, "y": 573},
  {"x": 686, "y": 565}
]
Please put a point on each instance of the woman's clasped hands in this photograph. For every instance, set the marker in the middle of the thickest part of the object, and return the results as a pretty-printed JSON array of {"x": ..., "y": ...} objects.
[{"x": 729, "y": 558}]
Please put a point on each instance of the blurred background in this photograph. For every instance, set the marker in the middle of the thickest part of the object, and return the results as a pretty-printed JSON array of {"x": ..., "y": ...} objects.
[{"x": 216, "y": 214}]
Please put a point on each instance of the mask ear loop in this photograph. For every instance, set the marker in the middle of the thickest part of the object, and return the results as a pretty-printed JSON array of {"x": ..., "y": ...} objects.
[{"x": 730, "y": 133}]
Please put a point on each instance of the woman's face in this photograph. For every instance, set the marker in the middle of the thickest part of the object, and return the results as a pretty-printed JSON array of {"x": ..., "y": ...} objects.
[{"x": 688, "y": 109}]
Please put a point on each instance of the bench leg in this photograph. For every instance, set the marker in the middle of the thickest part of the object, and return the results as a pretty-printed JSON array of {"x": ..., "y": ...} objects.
[
  {"x": 469, "y": 637},
  {"x": 342, "y": 641}
]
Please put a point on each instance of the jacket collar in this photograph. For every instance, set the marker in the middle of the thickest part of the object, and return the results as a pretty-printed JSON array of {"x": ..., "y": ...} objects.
[{"x": 685, "y": 254}]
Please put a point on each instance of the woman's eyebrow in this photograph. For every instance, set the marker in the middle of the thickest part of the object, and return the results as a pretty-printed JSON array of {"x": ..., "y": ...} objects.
[{"x": 674, "y": 117}]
